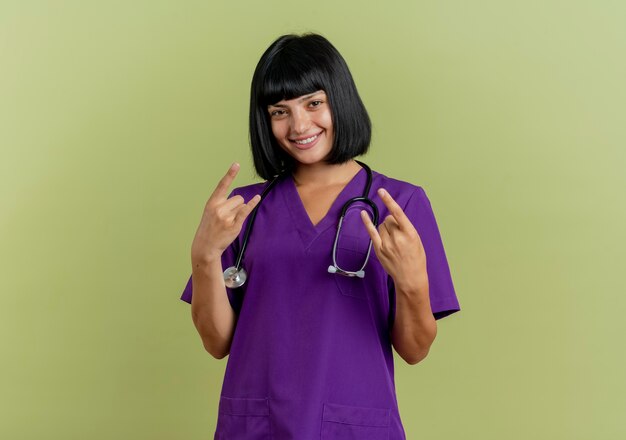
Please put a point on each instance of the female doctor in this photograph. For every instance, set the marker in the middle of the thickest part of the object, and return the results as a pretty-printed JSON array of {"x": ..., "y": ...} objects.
[{"x": 306, "y": 312}]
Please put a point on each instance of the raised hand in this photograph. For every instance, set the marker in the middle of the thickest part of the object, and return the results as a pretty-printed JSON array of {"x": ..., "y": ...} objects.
[
  {"x": 222, "y": 220},
  {"x": 398, "y": 246}
]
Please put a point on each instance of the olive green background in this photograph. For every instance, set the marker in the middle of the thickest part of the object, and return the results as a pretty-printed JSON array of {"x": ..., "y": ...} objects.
[{"x": 118, "y": 118}]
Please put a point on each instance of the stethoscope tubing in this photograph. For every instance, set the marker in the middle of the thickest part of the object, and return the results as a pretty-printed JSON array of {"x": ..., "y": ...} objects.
[
  {"x": 236, "y": 275},
  {"x": 246, "y": 235}
]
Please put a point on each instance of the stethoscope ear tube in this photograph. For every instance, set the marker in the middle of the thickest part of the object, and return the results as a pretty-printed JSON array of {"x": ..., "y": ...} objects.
[{"x": 334, "y": 268}]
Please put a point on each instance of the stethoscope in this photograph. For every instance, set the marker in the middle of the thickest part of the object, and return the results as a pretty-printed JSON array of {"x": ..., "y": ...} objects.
[{"x": 236, "y": 276}]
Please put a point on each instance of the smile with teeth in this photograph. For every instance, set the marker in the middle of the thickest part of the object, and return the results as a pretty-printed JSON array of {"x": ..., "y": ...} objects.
[{"x": 307, "y": 140}]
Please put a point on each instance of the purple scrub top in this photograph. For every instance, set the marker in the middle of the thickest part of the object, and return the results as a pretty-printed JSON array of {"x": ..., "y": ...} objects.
[{"x": 311, "y": 356}]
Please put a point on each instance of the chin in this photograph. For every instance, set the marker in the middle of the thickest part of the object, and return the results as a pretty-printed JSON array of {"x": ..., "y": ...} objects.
[{"x": 311, "y": 160}]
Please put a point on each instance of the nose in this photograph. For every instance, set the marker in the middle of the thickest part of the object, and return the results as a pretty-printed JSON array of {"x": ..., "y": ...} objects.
[{"x": 300, "y": 122}]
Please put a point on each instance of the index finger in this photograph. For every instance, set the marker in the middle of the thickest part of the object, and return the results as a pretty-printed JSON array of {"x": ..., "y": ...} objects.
[
  {"x": 221, "y": 190},
  {"x": 395, "y": 210}
]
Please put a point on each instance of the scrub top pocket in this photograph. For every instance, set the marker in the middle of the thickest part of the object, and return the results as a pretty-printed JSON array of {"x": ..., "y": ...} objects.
[
  {"x": 351, "y": 253},
  {"x": 241, "y": 418},
  {"x": 340, "y": 422}
]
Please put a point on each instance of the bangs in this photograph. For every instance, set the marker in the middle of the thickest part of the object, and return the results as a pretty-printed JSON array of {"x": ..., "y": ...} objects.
[{"x": 289, "y": 78}]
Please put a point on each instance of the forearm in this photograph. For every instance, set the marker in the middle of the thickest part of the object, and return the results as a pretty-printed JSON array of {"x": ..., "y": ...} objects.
[
  {"x": 414, "y": 328},
  {"x": 211, "y": 311}
]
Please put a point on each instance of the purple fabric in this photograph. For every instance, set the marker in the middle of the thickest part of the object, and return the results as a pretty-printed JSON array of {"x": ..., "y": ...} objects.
[{"x": 311, "y": 356}]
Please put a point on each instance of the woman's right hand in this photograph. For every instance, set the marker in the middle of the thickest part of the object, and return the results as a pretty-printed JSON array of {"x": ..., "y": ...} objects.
[{"x": 221, "y": 221}]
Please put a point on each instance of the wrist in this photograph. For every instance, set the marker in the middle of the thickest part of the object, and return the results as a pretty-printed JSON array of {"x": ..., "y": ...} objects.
[
  {"x": 206, "y": 260},
  {"x": 414, "y": 286}
]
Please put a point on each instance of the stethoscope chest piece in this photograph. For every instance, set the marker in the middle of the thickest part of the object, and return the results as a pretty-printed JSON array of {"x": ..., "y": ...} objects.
[{"x": 234, "y": 278}]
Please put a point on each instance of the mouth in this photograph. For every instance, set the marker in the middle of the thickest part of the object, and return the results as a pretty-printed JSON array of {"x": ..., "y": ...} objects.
[{"x": 306, "y": 143}]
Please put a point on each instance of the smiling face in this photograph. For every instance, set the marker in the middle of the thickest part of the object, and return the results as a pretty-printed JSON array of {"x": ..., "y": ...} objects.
[{"x": 303, "y": 126}]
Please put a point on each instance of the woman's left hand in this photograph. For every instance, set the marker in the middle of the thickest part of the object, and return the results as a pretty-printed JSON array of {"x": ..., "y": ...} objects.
[{"x": 398, "y": 246}]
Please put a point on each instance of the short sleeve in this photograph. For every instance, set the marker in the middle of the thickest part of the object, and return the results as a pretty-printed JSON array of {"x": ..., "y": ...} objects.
[
  {"x": 228, "y": 259},
  {"x": 443, "y": 299}
]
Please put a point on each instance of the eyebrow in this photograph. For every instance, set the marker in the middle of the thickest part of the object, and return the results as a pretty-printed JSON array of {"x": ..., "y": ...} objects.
[{"x": 304, "y": 98}]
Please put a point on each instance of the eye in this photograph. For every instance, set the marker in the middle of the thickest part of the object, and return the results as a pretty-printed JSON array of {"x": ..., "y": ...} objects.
[
  {"x": 316, "y": 103},
  {"x": 277, "y": 113}
]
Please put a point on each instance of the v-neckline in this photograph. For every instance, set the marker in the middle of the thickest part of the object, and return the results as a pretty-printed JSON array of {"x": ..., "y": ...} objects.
[{"x": 300, "y": 216}]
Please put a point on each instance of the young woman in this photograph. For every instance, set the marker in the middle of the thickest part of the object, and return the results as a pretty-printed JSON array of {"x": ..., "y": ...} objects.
[{"x": 311, "y": 329}]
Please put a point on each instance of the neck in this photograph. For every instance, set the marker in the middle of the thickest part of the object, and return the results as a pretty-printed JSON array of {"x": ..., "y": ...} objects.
[{"x": 322, "y": 174}]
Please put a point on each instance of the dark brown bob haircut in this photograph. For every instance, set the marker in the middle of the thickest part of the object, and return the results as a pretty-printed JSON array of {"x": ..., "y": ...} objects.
[{"x": 295, "y": 65}]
